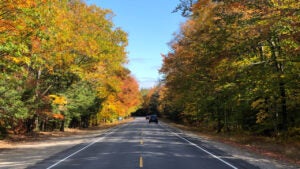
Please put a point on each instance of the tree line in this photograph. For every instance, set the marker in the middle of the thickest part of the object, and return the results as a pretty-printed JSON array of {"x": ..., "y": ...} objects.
[
  {"x": 62, "y": 65},
  {"x": 234, "y": 66}
]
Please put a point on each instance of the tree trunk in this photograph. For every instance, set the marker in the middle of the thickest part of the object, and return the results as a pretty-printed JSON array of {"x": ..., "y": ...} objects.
[
  {"x": 36, "y": 123},
  {"x": 37, "y": 99},
  {"x": 219, "y": 125},
  {"x": 42, "y": 128},
  {"x": 30, "y": 124},
  {"x": 276, "y": 53},
  {"x": 62, "y": 126},
  {"x": 284, "y": 121}
]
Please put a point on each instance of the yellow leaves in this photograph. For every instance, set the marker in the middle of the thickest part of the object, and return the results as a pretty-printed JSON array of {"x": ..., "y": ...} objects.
[
  {"x": 284, "y": 3},
  {"x": 20, "y": 60},
  {"x": 109, "y": 109},
  {"x": 261, "y": 106},
  {"x": 59, "y": 100},
  {"x": 26, "y": 60},
  {"x": 77, "y": 70},
  {"x": 16, "y": 60},
  {"x": 257, "y": 103},
  {"x": 111, "y": 103},
  {"x": 261, "y": 116}
]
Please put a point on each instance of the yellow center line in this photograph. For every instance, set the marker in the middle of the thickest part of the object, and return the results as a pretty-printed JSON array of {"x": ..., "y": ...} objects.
[
  {"x": 141, "y": 162},
  {"x": 141, "y": 158}
]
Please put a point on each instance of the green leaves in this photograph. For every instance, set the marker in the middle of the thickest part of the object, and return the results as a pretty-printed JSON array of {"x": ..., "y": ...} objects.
[
  {"x": 81, "y": 97},
  {"x": 12, "y": 107}
]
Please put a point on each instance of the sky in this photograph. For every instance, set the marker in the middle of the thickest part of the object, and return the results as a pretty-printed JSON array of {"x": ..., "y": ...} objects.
[{"x": 150, "y": 25}]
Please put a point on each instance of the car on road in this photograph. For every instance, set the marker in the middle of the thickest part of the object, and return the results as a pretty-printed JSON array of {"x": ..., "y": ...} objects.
[{"x": 153, "y": 118}]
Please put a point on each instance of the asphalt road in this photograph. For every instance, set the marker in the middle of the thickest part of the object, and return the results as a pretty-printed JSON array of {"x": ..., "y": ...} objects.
[{"x": 142, "y": 145}]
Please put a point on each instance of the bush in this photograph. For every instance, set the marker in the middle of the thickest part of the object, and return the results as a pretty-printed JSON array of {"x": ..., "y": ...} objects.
[
  {"x": 294, "y": 132},
  {"x": 3, "y": 133}
]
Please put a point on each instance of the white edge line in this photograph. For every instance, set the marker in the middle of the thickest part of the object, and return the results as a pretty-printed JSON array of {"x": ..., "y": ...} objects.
[
  {"x": 62, "y": 160},
  {"x": 193, "y": 144}
]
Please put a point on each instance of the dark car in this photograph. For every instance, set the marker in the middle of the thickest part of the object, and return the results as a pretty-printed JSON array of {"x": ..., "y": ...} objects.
[
  {"x": 153, "y": 118},
  {"x": 147, "y": 117}
]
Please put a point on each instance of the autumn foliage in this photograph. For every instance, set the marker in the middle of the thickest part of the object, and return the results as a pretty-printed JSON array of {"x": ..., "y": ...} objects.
[
  {"x": 62, "y": 64},
  {"x": 235, "y": 67}
]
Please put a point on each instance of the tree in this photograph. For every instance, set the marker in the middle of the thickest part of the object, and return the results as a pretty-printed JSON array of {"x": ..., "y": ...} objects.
[
  {"x": 233, "y": 66},
  {"x": 185, "y": 7},
  {"x": 59, "y": 49}
]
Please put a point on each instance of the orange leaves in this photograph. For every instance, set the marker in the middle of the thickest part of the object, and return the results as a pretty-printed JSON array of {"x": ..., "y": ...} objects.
[
  {"x": 123, "y": 102},
  {"x": 8, "y": 8},
  {"x": 53, "y": 115},
  {"x": 11, "y": 5},
  {"x": 129, "y": 95},
  {"x": 24, "y": 3},
  {"x": 36, "y": 44},
  {"x": 58, "y": 116}
]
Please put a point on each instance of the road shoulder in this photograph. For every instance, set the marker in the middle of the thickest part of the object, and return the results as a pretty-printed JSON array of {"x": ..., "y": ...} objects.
[
  {"x": 22, "y": 154},
  {"x": 234, "y": 150}
]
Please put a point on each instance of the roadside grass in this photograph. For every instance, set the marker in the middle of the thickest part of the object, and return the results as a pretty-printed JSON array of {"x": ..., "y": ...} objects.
[{"x": 287, "y": 150}]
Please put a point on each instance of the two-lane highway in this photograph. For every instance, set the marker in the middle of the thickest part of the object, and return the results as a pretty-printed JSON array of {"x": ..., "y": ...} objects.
[{"x": 142, "y": 145}]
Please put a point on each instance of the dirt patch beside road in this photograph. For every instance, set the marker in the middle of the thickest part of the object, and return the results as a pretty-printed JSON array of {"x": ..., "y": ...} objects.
[
  {"x": 13, "y": 141},
  {"x": 19, "y": 155}
]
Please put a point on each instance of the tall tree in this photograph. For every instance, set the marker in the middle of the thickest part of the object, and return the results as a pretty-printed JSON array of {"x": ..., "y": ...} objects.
[
  {"x": 234, "y": 65},
  {"x": 52, "y": 49}
]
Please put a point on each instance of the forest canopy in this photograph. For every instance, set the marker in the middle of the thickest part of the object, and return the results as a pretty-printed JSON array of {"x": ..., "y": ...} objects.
[
  {"x": 62, "y": 64},
  {"x": 235, "y": 65}
]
